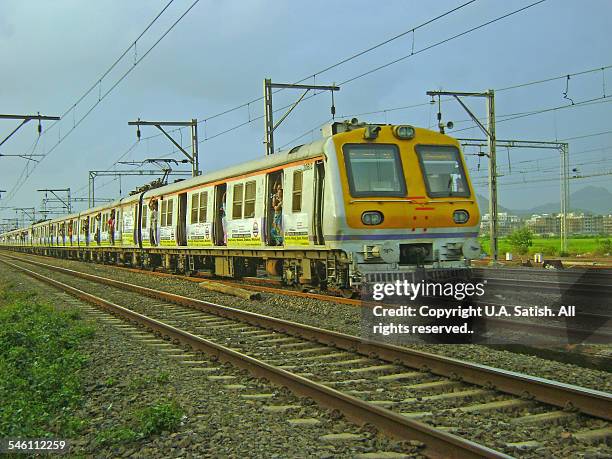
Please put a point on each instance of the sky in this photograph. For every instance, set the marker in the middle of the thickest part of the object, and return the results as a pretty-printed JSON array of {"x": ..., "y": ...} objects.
[{"x": 218, "y": 54}]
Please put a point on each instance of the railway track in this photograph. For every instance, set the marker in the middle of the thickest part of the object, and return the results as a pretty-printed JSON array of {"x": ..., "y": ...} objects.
[
  {"x": 406, "y": 393},
  {"x": 593, "y": 328}
]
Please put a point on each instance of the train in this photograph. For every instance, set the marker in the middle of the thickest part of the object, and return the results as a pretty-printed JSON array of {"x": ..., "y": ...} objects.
[{"x": 365, "y": 202}]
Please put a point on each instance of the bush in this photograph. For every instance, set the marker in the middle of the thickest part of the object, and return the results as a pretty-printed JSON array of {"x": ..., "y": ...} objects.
[
  {"x": 520, "y": 240},
  {"x": 603, "y": 247}
]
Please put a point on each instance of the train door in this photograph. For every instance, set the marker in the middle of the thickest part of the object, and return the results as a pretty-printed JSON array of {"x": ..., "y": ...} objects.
[
  {"x": 136, "y": 225},
  {"x": 220, "y": 216},
  {"x": 319, "y": 188},
  {"x": 274, "y": 209},
  {"x": 181, "y": 224}
]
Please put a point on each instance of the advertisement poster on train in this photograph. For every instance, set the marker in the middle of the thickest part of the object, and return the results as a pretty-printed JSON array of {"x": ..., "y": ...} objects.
[
  {"x": 296, "y": 228},
  {"x": 127, "y": 235},
  {"x": 244, "y": 232},
  {"x": 199, "y": 234}
]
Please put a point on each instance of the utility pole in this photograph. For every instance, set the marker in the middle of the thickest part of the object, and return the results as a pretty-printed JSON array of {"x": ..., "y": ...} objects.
[
  {"x": 25, "y": 119},
  {"x": 269, "y": 125},
  {"x": 489, "y": 131},
  {"x": 67, "y": 203},
  {"x": 193, "y": 157},
  {"x": 562, "y": 147},
  {"x": 29, "y": 212},
  {"x": 94, "y": 174}
]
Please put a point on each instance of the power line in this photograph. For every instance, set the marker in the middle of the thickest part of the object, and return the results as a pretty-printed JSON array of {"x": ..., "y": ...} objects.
[
  {"x": 326, "y": 69},
  {"x": 248, "y": 103},
  {"x": 546, "y": 80},
  {"x": 441, "y": 42},
  {"x": 595, "y": 101},
  {"x": 113, "y": 65},
  {"x": 102, "y": 97},
  {"x": 350, "y": 80}
]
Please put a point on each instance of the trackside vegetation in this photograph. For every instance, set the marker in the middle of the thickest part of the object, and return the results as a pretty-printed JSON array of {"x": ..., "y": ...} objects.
[
  {"x": 40, "y": 367},
  {"x": 47, "y": 372},
  {"x": 582, "y": 246}
]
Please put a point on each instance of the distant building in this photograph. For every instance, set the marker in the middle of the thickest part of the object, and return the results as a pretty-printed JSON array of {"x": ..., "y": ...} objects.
[
  {"x": 544, "y": 225},
  {"x": 607, "y": 224},
  {"x": 506, "y": 223},
  {"x": 577, "y": 223}
]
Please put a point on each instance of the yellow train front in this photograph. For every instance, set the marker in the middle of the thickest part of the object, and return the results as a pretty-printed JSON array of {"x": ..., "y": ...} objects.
[{"x": 404, "y": 204}]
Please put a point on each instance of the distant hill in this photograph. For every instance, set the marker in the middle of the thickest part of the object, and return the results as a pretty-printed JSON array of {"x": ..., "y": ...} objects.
[
  {"x": 483, "y": 205},
  {"x": 590, "y": 199},
  {"x": 594, "y": 199}
]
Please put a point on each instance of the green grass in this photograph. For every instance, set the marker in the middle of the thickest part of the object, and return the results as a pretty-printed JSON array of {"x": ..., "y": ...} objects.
[
  {"x": 594, "y": 246},
  {"x": 161, "y": 416},
  {"x": 40, "y": 367}
]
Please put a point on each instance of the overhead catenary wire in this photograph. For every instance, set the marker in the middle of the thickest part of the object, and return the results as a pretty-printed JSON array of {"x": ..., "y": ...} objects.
[
  {"x": 101, "y": 97},
  {"x": 257, "y": 118},
  {"x": 317, "y": 73}
]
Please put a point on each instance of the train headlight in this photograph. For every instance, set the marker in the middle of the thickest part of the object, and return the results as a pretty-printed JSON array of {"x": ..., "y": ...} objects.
[
  {"x": 403, "y": 132},
  {"x": 372, "y": 218},
  {"x": 461, "y": 216}
]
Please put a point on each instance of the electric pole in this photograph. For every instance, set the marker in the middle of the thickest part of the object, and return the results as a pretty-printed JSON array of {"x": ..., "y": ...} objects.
[
  {"x": 563, "y": 148},
  {"x": 489, "y": 131},
  {"x": 193, "y": 157},
  {"x": 67, "y": 202},
  {"x": 269, "y": 125}
]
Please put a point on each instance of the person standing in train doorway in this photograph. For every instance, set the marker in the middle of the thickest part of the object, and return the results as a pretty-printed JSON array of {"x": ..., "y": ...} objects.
[
  {"x": 277, "y": 222},
  {"x": 223, "y": 214},
  {"x": 153, "y": 225},
  {"x": 111, "y": 227},
  {"x": 98, "y": 227}
]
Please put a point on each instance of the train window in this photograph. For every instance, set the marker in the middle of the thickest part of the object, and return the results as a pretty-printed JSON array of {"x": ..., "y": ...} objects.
[
  {"x": 143, "y": 216},
  {"x": 195, "y": 206},
  {"x": 203, "y": 207},
  {"x": 296, "y": 203},
  {"x": 374, "y": 170},
  {"x": 166, "y": 212},
  {"x": 443, "y": 170},
  {"x": 249, "y": 199},
  {"x": 237, "y": 201},
  {"x": 199, "y": 207}
]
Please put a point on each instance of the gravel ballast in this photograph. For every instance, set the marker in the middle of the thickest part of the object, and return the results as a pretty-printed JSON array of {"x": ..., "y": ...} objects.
[{"x": 125, "y": 376}]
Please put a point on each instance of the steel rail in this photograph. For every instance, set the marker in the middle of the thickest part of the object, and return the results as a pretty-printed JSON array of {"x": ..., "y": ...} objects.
[
  {"x": 588, "y": 401},
  {"x": 438, "y": 443}
]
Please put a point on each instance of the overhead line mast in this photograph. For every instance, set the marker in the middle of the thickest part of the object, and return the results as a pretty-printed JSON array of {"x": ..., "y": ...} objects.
[{"x": 25, "y": 119}]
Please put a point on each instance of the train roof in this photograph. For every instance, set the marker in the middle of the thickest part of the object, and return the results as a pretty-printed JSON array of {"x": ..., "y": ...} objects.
[{"x": 306, "y": 151}]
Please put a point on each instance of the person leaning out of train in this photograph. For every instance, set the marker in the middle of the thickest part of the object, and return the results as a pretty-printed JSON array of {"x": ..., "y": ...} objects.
[
  {"x": 111, "y": 227},
  {"x": 277, "y": 222}
]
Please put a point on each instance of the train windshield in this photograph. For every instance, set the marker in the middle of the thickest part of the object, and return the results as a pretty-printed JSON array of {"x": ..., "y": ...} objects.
[
  {"x": 443, "y": 170},
  {"x": 374, "y": 170}
]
